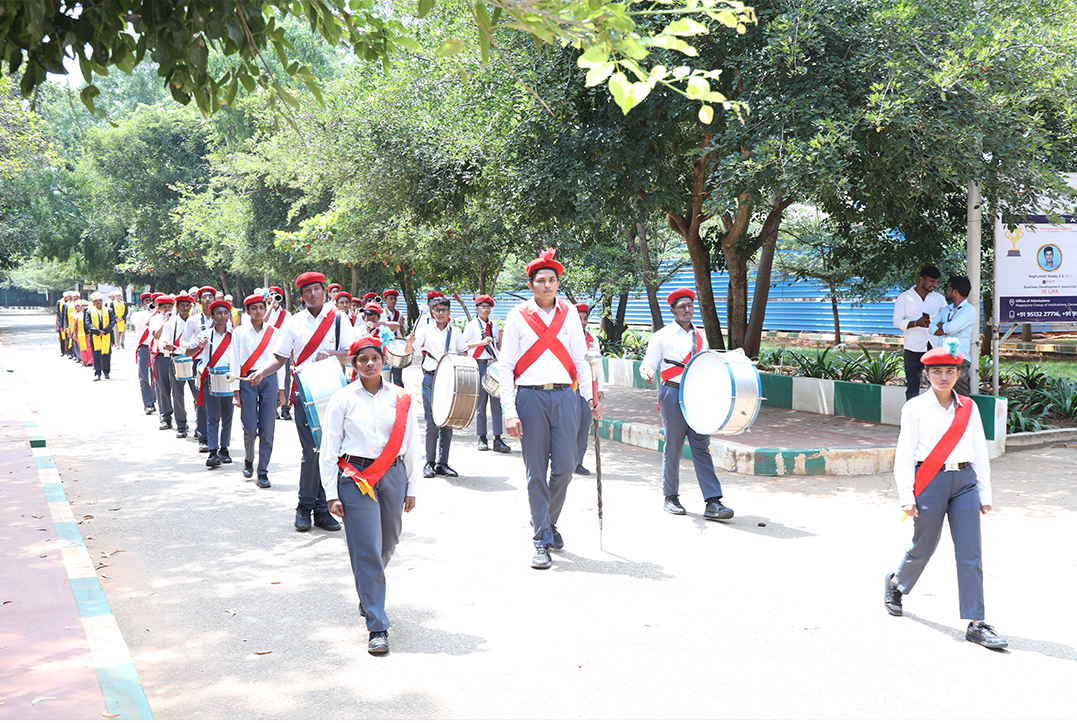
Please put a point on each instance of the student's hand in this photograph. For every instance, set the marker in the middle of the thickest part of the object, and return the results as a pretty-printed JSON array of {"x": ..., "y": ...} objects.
[
  {"x": 596, "y": 409},
  {"x": 984, "y": 509},
  {"x": 514, "y": 428},
  {"x": 409, "y": 504},
  {"x": 235, "y": 400},
  {"x": 336, "y": 507},
  {"x": 911, "y": 510},
  {"x": 322, "y": 354},
  {"x": 280, "y": 398}
]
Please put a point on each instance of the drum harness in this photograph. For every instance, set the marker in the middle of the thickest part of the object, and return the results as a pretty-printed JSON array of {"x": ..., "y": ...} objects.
[{"x": 448, "y": 337}]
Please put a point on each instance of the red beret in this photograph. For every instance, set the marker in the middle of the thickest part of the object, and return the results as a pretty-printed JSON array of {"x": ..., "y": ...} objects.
[
  {"x": 946, "y": 355},
  {"x": 545, "y": 261},
  {"x": 390, "y": 292},
  {"x": 680, "y": 294},
  {"x": 484, "y": 299},
  {"x": 583, "y": 308},
  {"x": 375, "y": 308},
  {"x": 254, "y": 299},
  {"x": 343, "y": 295},
  {"x": 206, "y": 289},
  {"x": 164, "y": 299},
  {"x": 184, "y": 297},
  {"x": 155, "y": 294},
  {"x": 219, "y": 303},
  {"x": 145, "y": 295},
  {"x": 364, "y": 342},
  {"x": 334, "y": 285},
  {"x": 278, "y": 289},
  {"x": 433, "y": 295},
  {"x": 308, "y": 278},
  {"x": 370, "y": 295}
]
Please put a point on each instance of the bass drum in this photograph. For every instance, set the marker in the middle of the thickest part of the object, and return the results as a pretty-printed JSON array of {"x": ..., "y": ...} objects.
[
  {"x": 491, "y": 382},
  {"x": 454, "y": 396},
  {"x": 720, "y": 392},
  {"x": 317, "y": 382}
]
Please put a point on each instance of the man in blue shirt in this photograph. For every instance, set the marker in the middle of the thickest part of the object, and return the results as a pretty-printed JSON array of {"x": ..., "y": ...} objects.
[{"x": 958, "y": 320}]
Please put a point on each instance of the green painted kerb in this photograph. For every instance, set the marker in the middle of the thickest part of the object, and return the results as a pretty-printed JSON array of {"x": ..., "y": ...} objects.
[
  {"x": 777, "y": 390},
  {"x": 858, "y": 401},
  {"x": 766, "y": 461}
]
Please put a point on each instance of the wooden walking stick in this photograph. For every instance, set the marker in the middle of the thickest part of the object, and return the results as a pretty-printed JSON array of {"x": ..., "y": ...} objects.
[{"x": 595, "y": 361}]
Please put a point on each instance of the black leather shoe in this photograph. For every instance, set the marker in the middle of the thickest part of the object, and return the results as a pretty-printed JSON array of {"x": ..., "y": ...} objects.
[
  {"x": 558, "y": 541},
  {"x": 985, "y": 635},
  {"x": 203, "y": 446},
  {"x": 673, "y": 506},
  {"x": 106, "y": 376},
  {"x": 892, "y": 597},
  {"x": 500, "y": 446},
  {"x": 225, "y": 457},
  {"x": 379, "y": 643},
  {"x": 484, "y": 446},
  {"x": 248, "y": 469},
  {"x": 286, "y": 414},
  {"x": 580, "y": 469},
  {"x": 181, "y": 434},
  {"x": 326, "y": 521},
  {"x": 213, "y": 460},
  {"x": 263, "y": 482},
  {"x": 428, "y": 470},
  {"x": 717, "y": 511},
  {"x": 445, "y": 471},
  {"x": 541, "y": 560},
  {"x": 302, "y": 520}
]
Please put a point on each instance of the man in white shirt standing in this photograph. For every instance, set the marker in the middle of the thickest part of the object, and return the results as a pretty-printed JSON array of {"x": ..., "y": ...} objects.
[
  {"x": 485, "y": 333},
  {"x": 171, "y": 341},
  {"x": 668, "y": 351},
  {"x": 257, "y": 404},
  {"x": 958, "y": 320},
  {"x": 435, "y": 341},
  {"x": 543, "y": 354},
  {"x": 913, "y": 311},
  {"x": 141, "y": 322}
]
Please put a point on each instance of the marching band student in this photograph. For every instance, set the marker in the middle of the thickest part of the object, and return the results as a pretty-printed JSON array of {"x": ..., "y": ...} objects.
[
  {"x": 668, "y": 352},
  {"x": 141, "y": 322},
  {"x": 332, "y": 290},
  {"x": 424, "y": 313},
  {"x": 214, "y": 348},
  {"x": 100, "y": 322},
  {"x": 162, "y": 359},
  {"x": 170, "y": 342},
  {"x": 198, "y": 321},
  {"x": 585, "y": 409},
  {"x": 435, "y": 341},
  {"x": 370, "y": 297},
  {"x": 119, "y": 307},
  {"x": 343, "y": 302},
  {"x": 480, "y": 333},
  {"x": 369, "y": 459},
  {"x": 543, "y": 355},
  {"x": 257, "y": 404},
  {"x": 275, "y": 317},
  {"x": 395, "y": 321},
  {"x": 942, "y": 472},
  {"x": 315, "y": 334}
]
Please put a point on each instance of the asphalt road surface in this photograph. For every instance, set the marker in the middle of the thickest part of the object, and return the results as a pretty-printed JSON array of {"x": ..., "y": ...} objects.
[{"x": 230, "y": 613}]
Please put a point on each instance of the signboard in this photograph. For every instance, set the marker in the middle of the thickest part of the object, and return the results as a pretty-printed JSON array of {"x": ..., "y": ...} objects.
[{"x": 1036, "y": 271}]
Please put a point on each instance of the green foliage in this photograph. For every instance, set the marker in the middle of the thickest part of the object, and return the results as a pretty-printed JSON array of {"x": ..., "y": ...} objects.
[
  {"x": 817, "y": 366},
  {"x": 880, "y": 368},
  {"x": 632, "y": 345}
]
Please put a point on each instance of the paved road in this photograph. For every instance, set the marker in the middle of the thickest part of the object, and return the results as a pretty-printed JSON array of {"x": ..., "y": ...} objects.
[{"x": 676, "y": 617}]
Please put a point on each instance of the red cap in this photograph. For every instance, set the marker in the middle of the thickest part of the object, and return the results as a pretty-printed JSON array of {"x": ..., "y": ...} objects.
[
  {"x": 545, "y": 261},
  {"x": 308, "y": 278},
  {"x": 374, "y": 308},
  {"x": 370, "y": 295},
  {"x": 155, "y": 294},
  {"x": 364, "y": 342},
  {"x": 334, "y": 285},
  {"x": 278, "y": 289},
  {"x": 946, "y": 355},
  {"x": 680, "y": 294},
  {"x": 219, "y": 303},
  {"x": 254, "y": 299},
  {"x": 343, "y": 295},
  {"x": 184, "y": 297},
  {"x": 583, "y": 308},
  {"x": 484, "y": 299},
  {"x": 206, "y": 289},
  {"x": 145, "y": 295},
  {"x": 433, "y": 295},
  {"x": 164, "y": 299},
  {"x": 390, "y": 292}
]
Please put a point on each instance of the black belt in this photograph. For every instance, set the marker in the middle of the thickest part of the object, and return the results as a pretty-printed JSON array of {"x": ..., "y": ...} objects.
[
  {"x": 675, "y": 385},
  {"x": 956, "y": 465},
  {"x": 426, "y": 372},
  {"x": 546, "y": 387},
  {"x": 363, "y": 462}
]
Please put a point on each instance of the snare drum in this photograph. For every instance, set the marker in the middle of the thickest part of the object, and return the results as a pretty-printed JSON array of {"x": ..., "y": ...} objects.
[
  {"x": 454, "y": 396},
  {"x": 218, "y": 386},
  {"x": 184, "y": 368},
  {"x": 396, "y": 355},
  {"x": 720, "y": 392},
  {"x": 492, "y": 382},
  {"x": 316, "y": 383}
]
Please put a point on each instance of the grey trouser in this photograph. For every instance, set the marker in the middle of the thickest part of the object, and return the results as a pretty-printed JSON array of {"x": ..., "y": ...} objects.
[
  {"x": 953, "y": 495},
  {"x": 585, "y": 427},
  {"x": 676, "y": 429},
  {"x": 258, "y": 415},
  {"x": 311, "y": 494},
  {"x": 550, "y": 419},
  {"x": 162, "y": 367},
  {"x": 964, "y": 381},
  {"x": 199, "y": 411},
  {"x": 144, "y": 384},
  {"x": 495, "y": 405},
  {"x": 438, "y": 439},
  {"x": 289, "y": 385},
  {"x": 179, "y": 403},
  {"x": 218, "y": 420},
  {"x": 397, "y": 376},
  {"x": 372, "y": 528}
]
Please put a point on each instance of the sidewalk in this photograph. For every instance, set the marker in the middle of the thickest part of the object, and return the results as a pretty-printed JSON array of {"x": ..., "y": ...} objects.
[
  {"x": 780, "y": 442},
  {"x": 62, "y": 654}
]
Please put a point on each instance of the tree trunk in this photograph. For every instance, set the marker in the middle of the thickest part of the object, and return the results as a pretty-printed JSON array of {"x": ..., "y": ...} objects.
[
  {"x": 355, "y": 280},
  {"x": 224, "y": 280},
  {"x": 467, "y": 311},
  {"x": 607, "y": 316},
  {"x": 643, "y": 264},
  {"x": 619, "y": 326},
  {"x": 737, "y": 300},
  {"x": 834, "y": 308},
  {"x": 754, "y": 335},
  {"x": 406, "y": 288}
]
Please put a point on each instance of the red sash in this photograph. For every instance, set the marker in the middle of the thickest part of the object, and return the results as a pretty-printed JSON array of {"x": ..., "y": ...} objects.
[
  {"x": 373, "y": 474},
  {"x": 280, "y": 319},
  {"x": 266, "y": 335},
  {"x": 145, "y": 334},
  {"x": 477, "y": 352},
  {"x": 937, "y": 457},
  {"x": 673, "y": 371},
  {"x": 316, "y": 340},
  {"x": 547, "y": 340},
  {"x": 212, "y": 363}
]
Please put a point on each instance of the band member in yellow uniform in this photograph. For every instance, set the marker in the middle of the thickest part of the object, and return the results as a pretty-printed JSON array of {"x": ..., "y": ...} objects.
[
  {"x": 369, "y": 469},
  {"x": 100, "y": 321},
  {"x": 119, "y": 307}
]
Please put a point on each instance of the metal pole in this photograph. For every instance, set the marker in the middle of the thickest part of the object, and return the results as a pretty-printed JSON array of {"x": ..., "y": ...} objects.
[{"x": 973, "y": 266}]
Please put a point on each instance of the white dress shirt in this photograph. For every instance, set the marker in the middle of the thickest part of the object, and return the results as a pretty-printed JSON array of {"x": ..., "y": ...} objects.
[
  {"x": 396, "y": 316},
  {"x": 673, "y": 343},
  {"x": 172, "y": 332},
  {"x": 957, "y": 322},
  {"x": 300, "y": 328},
  {"x": 157, "y": 323},
  {"x": 908, "y": 307},
  {"x": 140, "y": 320},
  {"x": 359, "y": 423},
  {"x": 213, "y": 344},
  {"x": 518, "y": 337},
  {"x": 923, "y": 422},
  {"x": 246, "y": 340},
  {"x": 431, "y": 339},
  {"x": 279, "y": 314},
  {"x": 197, "y": 322},
  {"x": 475, "y": 330}
]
